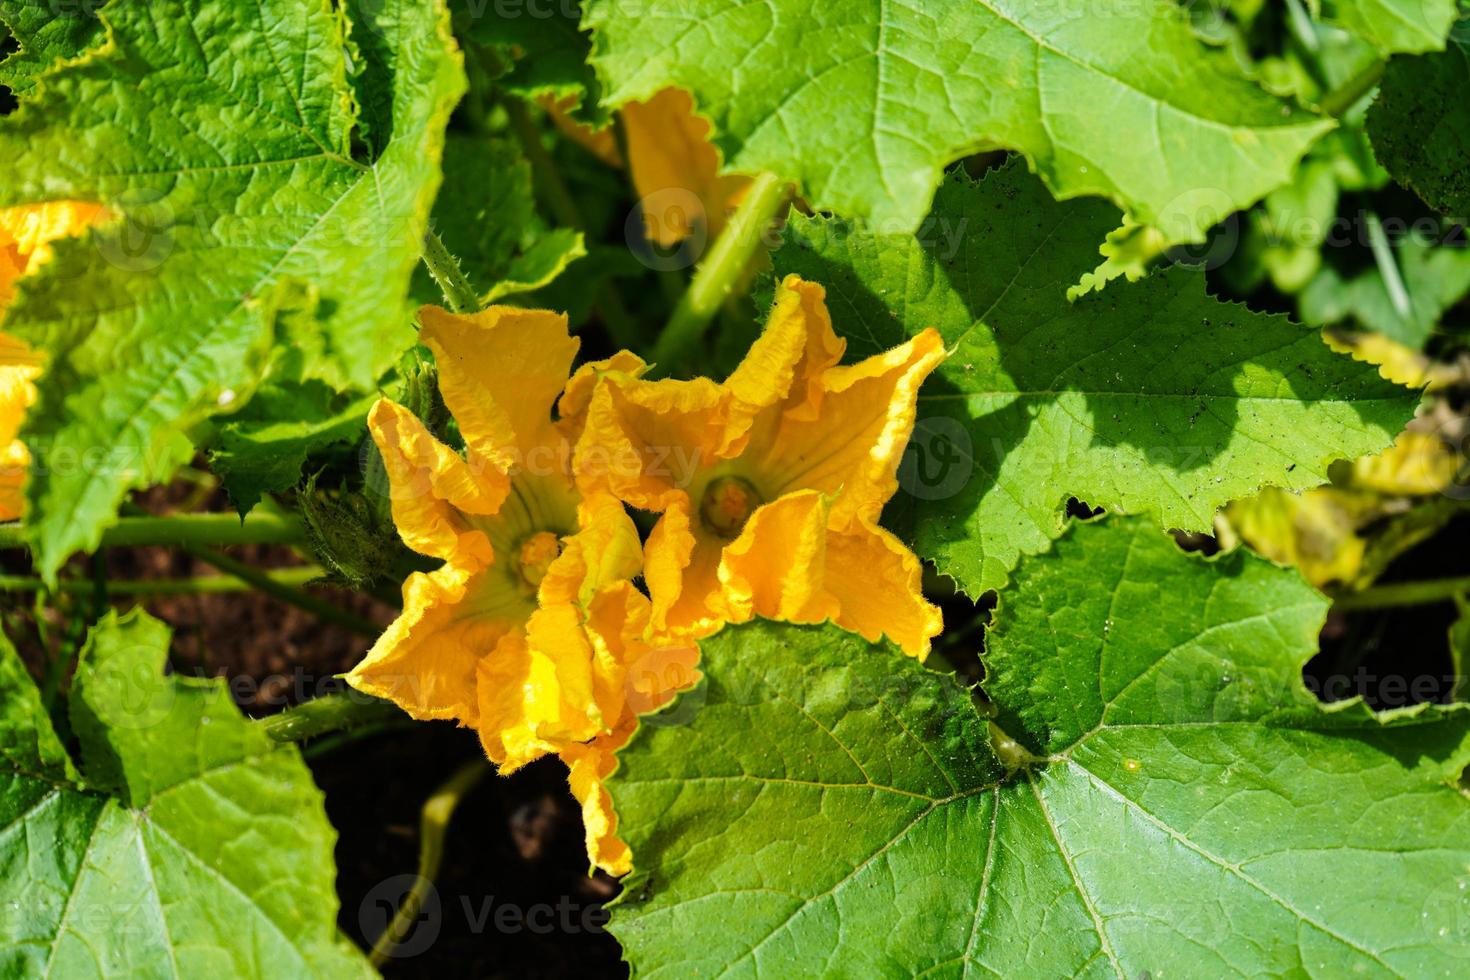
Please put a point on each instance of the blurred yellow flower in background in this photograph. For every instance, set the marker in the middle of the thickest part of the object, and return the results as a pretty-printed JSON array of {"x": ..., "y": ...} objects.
[{"x": 674, "y": 167}]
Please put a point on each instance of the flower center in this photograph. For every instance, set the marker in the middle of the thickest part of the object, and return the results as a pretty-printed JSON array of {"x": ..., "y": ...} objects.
[
  {"x": 727, "y": 504},
  {"x": 536, "y": 555}
]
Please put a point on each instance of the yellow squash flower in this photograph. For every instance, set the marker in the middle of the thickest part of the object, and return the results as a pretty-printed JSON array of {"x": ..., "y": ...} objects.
[
  {"x": 674, "y": 166},
  {"x": 771, "y": 483},
  {"x": 25, "y": 236},
  {"x": 531, "y": 631}
]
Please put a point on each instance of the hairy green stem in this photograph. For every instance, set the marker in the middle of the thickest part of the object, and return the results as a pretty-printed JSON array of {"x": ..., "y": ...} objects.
[
  {"x": 262, "y": 581},
  {"x": 199, "y": 585},
  {"x": 459, "y": 292},
  {"x": 721, "y": 270},
  {"x": 1404, "y": 594},
  {"x": 217, "y": 530},
  {"x": 329, "y": 714},
  {"x": 433, "y": 826}
]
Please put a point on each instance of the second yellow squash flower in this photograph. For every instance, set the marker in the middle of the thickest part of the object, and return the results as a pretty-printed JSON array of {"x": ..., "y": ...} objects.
[{"x": 771, "y": 483}]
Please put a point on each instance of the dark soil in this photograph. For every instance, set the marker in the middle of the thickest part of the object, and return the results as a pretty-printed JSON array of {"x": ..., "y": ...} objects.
[{"x": 513, "y": 896}]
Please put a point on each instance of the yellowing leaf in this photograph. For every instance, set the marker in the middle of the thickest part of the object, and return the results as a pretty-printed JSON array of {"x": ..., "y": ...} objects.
[
  {"x": 1316, "y": 531},
  {"x": 1417, "y": 463},
  {"x": 1329, "y": 532},
  {"x": 1396, "y": 362}
]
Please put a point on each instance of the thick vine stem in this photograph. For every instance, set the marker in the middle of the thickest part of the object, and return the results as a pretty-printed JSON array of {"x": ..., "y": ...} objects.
[
  {"x": 328, "y": 714},
  {"x": 459, "y": 292},
  {"x": 433, "y": 825},
  {"x": 721, "y": 270},
  {"x": 209, "y": 530},
  {"x": 198, "y": 585}
]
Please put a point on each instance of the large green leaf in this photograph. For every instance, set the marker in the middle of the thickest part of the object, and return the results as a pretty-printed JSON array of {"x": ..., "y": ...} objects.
[
  {"x": 1149, "y": 397},
  {"x": 1121, "y": 100},
  {"x": 832, "y": 810},
  {"x": 223, "y": 135},
  {"x": 195, "y": 847},
  {"x": 1420, "y": 126},
  {"x": 1395, "y": 25}
]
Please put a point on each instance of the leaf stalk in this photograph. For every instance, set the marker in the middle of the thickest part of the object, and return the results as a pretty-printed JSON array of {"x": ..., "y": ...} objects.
[
  {"x": 722, "y": 269},
  {"x": 328, "y": 714},
  {"x": 1404, "y": 594},
  {"x": 459, "y": 292},
  {"x": 433, "y": 826}
]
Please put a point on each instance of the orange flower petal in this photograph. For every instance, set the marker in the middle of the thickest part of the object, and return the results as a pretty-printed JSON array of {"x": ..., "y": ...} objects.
[
  {"x": 575, "y": 401},
  {"x": 682, "y": 569},
  {"x": 653, "y": 678},
  {"x": 775, "y": 568},
  {"x": 787, "y": 362},
  {"x": 19, "y": 367},
  {"x": 433, "y": 489},
  {"x": 500, "y": 371},
  {"x": 676, "y": 169},
  {"x": 425, "y": 661},
  {"x": 876, "y": 582},
  {"x": 536, "y": 690},
  {"x": 563, "y": 680},
  {"x": 604, "y": 551},
  {"x": 645, "y": 440},
  {"x": 852, "y": 450},
  {"x": 588, "y": 767},
  {"x": 27, "y": 231}
]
